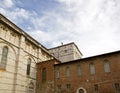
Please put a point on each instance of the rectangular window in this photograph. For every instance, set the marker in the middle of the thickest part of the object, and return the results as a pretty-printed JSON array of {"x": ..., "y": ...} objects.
[
  {"x": 106, "y": 66},
  {"x": 57, "y": 74},
  {"x": 67, "y": 71},
  {"x": 28, "y": 66},
  {"x": 96, "y": 88},
  {"x": 92, "y": 68},
  {"x": 117, "y": 88},
  {"x": 68, "y": 86},
  {"x": 44, "y": 74},
  {"x": 79, "y": 70},
  {"x": 59, "y": 87},
  {"x": 28, "y": 69}
]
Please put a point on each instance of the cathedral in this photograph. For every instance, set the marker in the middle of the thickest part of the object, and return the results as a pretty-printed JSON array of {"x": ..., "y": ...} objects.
[
  {"x": 19, "y": 54},
  {"x": 26, "y": 66}
]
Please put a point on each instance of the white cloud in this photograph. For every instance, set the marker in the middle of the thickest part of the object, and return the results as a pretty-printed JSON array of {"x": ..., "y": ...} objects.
[
  {"x": 2, "y": 11},
  {"x": 19, "y": 12},
  {"x": 16, "y": 14},
  {"x": 8, "y": 3},
  {"x": 92, "y": 24}
]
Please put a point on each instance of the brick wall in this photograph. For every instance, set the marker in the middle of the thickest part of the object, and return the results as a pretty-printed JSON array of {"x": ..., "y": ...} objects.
[
  {"x": 104, "y": 81},
  {"x": 45, "y": 85}
]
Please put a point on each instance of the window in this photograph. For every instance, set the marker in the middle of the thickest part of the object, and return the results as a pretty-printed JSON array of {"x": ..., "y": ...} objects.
[
  {"x": 92, "y": 68},
  {"x": 96, "y": 88},
  {"x": 28, "y": 66},
  {"x": 81, "y": 91},
  {"x": 68, "y": 86},
  {"x": 44, "y": 74},
  {"x": 79, "y": 70},
  {"x": 106, "y": 66},
  {"x": 4, "y": 57},
  {"x": 59, "y": 87},
  {"x": 117, "y": 88},
  {"x": 67, "y": 71},
  {"x": 57, "y": 73}
]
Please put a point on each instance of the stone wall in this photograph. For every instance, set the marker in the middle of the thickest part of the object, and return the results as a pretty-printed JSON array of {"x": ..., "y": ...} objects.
[
  {"x": 21, "y": 47},
  {"x": 66, "y": 52}
]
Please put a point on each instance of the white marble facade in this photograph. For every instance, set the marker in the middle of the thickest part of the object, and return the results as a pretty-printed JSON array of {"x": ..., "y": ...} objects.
[{"x": 19, "y": 52}]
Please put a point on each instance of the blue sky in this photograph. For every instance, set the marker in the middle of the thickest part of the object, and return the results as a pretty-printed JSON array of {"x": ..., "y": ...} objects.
[{"x": 94, "y": 25}]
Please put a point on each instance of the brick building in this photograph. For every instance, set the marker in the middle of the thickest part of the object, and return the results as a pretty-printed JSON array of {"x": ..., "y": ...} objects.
[
  {"x": 97, "y": 74},
  {"x": 19, "y": 54},
  {"x": 45, "y": 76}
]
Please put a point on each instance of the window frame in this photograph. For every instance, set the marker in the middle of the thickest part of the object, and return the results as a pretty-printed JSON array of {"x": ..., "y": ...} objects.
[
  {"x": 44, "y": 74},
  {"x": 96, "y": 88},
  {"x": 57, "y": 73},
  {"x": 79, "y": 70},
  {"x": 68, "y": 87},
  {"x": 117, "y": 87},
  {"x": 4, "y": 57},
  {"x": 28, "y": 66},
  {"x": 107, "y": 66},
  {"x": 67, "y": 71},
  {"x": 92, "y": 68}
]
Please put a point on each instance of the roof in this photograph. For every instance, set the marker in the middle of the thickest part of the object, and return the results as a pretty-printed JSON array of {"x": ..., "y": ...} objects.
[
  {"x": 73, "y": 61},
  {"x": 51, "y": 60}
]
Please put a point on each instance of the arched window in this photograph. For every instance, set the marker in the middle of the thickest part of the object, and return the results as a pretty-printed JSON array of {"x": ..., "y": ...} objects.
[
  {"x": 4, "y": 57},
  {"x": 92, "y": 68},
  {"x": 67, "y": 71},
  {"x": 81, "y": 91},
  {"x": 28, "y": 66},
  {"x": 44, "y": 74},
  {"x": 106, "y": 66}
]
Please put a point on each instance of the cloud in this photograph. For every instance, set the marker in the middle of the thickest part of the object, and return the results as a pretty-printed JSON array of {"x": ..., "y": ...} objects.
[
  {"x": 18, "y": 15},
  {"x": 92, "y": 24},
  {"x": 95, "y": 24},
  {"x": 8, "y": 3}
]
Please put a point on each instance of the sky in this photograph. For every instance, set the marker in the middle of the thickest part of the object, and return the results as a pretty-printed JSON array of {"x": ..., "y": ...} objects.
[{"x": 93, "y": 25}]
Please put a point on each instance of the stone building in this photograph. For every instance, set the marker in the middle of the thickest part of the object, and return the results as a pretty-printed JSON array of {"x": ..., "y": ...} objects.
[
  {"x": 26, "y": 66},
  {"x": 66, "y": 52},
  {"x": 97, "y": 74},
  {"x": 19, "y": 54}
]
